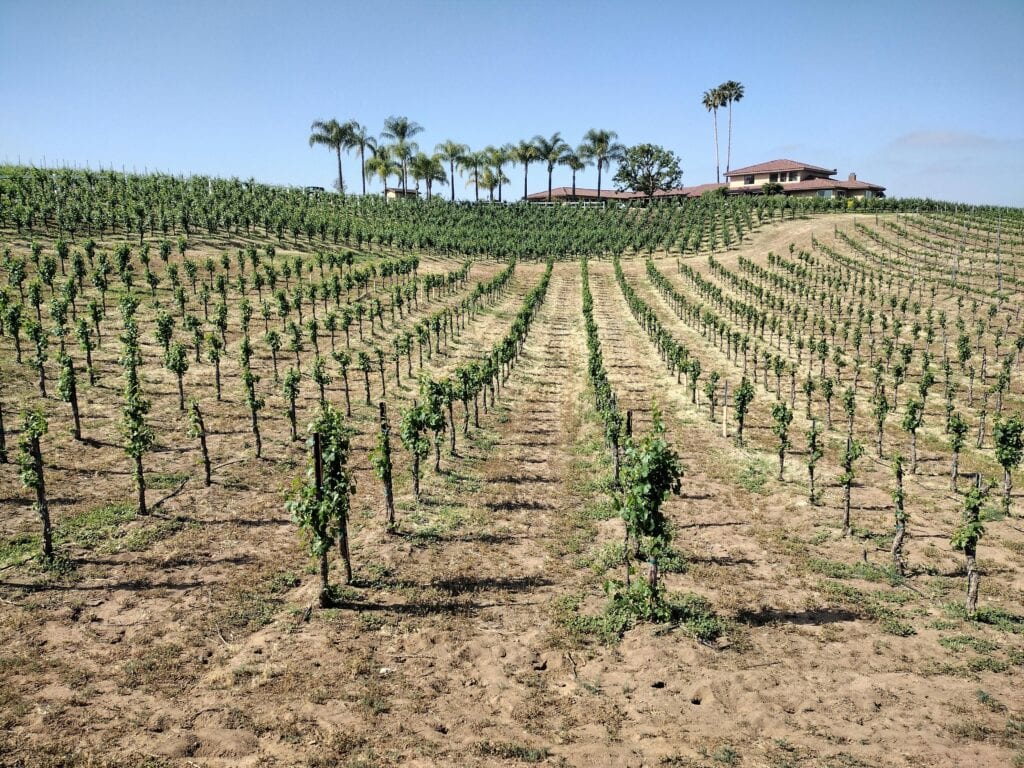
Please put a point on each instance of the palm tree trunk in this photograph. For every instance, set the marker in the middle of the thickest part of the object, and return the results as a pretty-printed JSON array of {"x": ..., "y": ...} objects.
[
  {"x": 549, "y": 183},
  {"x": 728, "y": 151},
  {"x": 451, "y": 168},
  {"x": 341, "y": 179},
  {"x": 362, "y": 165},
  {"x": 718, "y": 175},
  {"x": 526, "y": 172},
  {"x": 599, "y": 179},
  {"x": 574, "y": 184}
]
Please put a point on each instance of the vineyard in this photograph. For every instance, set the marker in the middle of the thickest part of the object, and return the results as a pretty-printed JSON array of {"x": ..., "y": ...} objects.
[{"x": 296, "y": 478}]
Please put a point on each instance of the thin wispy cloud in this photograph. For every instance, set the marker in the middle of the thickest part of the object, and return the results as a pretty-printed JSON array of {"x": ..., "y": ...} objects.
[{"x": 950, "y": 140}]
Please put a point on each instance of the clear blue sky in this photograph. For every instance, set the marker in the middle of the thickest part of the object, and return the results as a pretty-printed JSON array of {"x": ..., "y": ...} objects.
[{"x": 925, "y": 98}]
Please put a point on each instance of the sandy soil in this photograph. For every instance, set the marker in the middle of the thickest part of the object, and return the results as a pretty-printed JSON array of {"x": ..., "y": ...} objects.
[{"x": 185, "y": 639}]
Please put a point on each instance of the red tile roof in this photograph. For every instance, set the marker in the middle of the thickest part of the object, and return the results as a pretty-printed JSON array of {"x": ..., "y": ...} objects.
[
  {"x": 560, "y": 193},
  {"x": 816, "y": 184},
  {"x": 695, "y": 191},
  {"x": 563, "y": 192},
  {"x": 778, "y": 165}
]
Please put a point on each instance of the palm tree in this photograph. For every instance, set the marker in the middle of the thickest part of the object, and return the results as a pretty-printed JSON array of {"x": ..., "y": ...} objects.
[
  {"x": 383, "y": 164},
  {"x": 489, "y": 180},
  {"x": 574, "y": 159},
  {"x": 731, "y": 91},
  {"x": 334, "y": 135},
  {"x": 497, "y": 157},
  {"x": 551, "y": 150},
  {"x": 451, "y": 152},
  {"x": 712, "y": 100},
  {"x": 600, "y": 146},
  {"x": 361, "y": 140},
  {"x": 428, "y": 169},
  {"x": 470, "y": 163},
  {"x": 524, "y": 153},
  {"x": 399, "y": 130}
]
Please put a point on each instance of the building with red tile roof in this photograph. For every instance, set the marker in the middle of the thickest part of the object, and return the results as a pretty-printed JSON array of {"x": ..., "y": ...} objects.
[
  {"x": 800, "y": 179},
  {"x": 795, "y": 178}
]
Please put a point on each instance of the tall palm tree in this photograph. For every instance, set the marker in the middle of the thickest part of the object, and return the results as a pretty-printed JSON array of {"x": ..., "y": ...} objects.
[
  {"x": 399, "y": 130},
  {"x": 523, "y": 154},
  {"x": 471, "y": 163},
  {"x": 575, "y": 160},
  {"x": 333, "y": 135},
  {"x": 497, "y": 157},
  {"x": 731, "y": 91},
  {"x": 383, "y": 164},
  {"x": 551, "y": 151},
  {"x": 600, "y": 146},
  {"x": 361, "y": 140},
  {"x": 489, "y": 179},
  {"x": 451, "y": 152},
  {"x": 428, "y": 169},
  {"x": 713, "y": 99}
]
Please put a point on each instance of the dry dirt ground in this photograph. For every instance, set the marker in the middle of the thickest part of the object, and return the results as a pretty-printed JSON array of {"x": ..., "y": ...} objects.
[{"x": 184, "y": 638}]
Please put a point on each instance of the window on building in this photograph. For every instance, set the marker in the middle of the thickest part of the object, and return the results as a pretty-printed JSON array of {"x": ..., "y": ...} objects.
[
  {"x": 774, "y": 177},
  {"x": 748, "y": 179},
  {"x": 824, "y": 193}
]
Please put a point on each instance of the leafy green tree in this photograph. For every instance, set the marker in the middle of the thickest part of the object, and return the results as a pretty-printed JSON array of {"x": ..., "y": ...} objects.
[
  {"x": 742, "y": 399},
  {"x": 273, "y": 340},
  {"x": 827, "y": 392},
  {"x": 782, "y": 417},
  {"x": 176, "y": 360},
  {"x": 30, "y": 464},
  {"x": 255, "y": 403},
  {"x": 13, "y": 320},
  {"x": 650, "y": 472},
  {"x": 322, "y": 377},
  {"x": 711, "y": 392},
  {"x": 648, "y": 168},
  {"x": 322, "y": 505},
  {"x": 851, "y": 453},
  {"x": 214, "y": 347},
  {"x": 814, "y": 455},
  {"x": 40, "y": 340},
  {"x": 365, "y": 366},
  {"x": 164, "y": 329},
  {"x": 957, "y": 428},
  {"x": 290, "y": 389},
  {"x": 965, "y": 539},
  {"x": 913, "y": 417},
  {"x": 137, "y": 435},
  {"x": 898, "y": 499},
  {"x": 380, "y": 460},
  {"x": 344, "y": 360},
  {"x": 413, "y": 433},
  {"x": 197, "y": 429},
  {"x": 67, "y": 386},
  {"x": 1009, "y": 442},
  {"x": 880, "y": 410}
]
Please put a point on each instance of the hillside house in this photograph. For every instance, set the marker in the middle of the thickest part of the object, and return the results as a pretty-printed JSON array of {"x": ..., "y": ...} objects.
[{"x": 799, "y": 179}]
